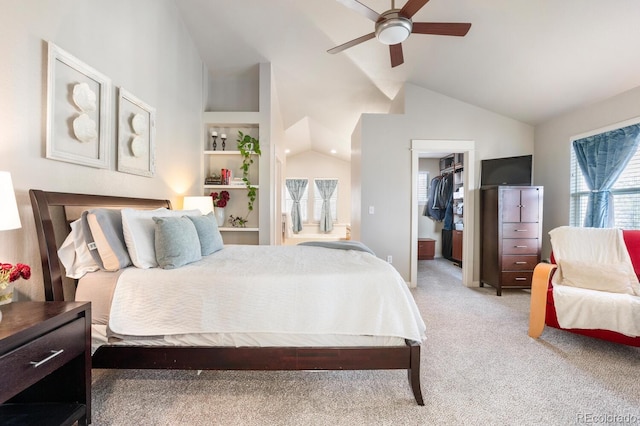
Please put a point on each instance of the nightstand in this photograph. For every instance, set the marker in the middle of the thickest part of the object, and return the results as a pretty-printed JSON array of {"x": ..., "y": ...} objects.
[{"x": 45, "y": 363}]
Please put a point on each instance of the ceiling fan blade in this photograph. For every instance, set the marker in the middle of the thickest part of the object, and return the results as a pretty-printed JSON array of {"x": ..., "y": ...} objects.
[
  {"x": 459, "y": 29},
  {"x": 361, "y": 9},
  {"x": 352, "y": 43},
  {"x": 397, "y": 57},
  {"x": 411, "y": 7}
]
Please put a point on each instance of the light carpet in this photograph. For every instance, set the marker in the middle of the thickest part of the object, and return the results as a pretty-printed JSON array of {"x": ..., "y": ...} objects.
[{"x": 478, "y": 367}]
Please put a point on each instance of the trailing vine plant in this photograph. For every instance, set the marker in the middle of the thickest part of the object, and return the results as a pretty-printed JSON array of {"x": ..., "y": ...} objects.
[{"x": 248, "y": 147}]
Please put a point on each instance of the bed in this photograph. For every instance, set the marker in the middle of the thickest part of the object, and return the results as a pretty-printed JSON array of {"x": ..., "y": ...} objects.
[{"x": 55, "y": 211}]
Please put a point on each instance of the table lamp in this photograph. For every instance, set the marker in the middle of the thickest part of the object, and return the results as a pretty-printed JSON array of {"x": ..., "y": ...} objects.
[
  {"x": 203, "y": 203},
  {"x": 9, "y": 217}
]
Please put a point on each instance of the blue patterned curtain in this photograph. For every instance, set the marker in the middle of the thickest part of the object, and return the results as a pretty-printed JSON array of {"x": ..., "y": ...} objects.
[
  {"x": 325, "y": 189},
  {"x": 602, "y": 158},
  {"x": 296, "y": 189}
]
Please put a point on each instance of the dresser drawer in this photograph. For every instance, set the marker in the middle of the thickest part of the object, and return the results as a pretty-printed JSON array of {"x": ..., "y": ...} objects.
[
  {"x": 29, "y": 363},
  {"x": 520, "y": 230},
  {"x": 517, "y": 279},
  {"x": 520, "y": 246},
  {"x": 519, "y": 263}
]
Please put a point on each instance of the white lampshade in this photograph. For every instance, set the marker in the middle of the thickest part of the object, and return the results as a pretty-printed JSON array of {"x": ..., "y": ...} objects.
[
  {"x": 394, "y": 30},
  {"x": 9, "y": 217},
  {"x": 203, "y": 203}
]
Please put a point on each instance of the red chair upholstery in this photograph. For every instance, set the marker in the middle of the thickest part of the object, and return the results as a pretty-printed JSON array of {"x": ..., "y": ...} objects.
[{"x": 542, "y": 307}]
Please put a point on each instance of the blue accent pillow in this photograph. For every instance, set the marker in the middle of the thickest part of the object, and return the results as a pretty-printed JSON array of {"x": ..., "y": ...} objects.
[
  {"x": 208, "y": 233},
  {"x": 176, "y": 242}
]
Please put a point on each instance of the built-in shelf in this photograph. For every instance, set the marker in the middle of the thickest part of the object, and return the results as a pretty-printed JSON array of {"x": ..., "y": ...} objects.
[
  {"x": 230, "y": 158},
  {"x": 243, "y": 186}
]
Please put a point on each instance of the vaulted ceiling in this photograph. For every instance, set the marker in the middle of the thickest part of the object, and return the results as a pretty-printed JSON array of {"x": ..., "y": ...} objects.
[{"x": 529, "y": 60}]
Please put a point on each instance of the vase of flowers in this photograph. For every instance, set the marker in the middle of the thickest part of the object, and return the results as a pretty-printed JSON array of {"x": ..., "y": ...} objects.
[
  {"x": 8, "y": 274},
  {"x": 220, "y": 202}
]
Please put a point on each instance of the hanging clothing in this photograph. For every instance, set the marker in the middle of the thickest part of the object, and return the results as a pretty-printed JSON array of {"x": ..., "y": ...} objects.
[
  {"x": 440, "y": 201},
  {"x": 431, "y": 209}
]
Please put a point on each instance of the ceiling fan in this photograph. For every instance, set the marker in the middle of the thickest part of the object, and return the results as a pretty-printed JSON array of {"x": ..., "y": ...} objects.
[{"x": 394, "y": 26}]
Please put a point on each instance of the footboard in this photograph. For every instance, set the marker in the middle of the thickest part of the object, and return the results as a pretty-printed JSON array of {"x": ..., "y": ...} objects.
[{"x": 273, "y": 358}]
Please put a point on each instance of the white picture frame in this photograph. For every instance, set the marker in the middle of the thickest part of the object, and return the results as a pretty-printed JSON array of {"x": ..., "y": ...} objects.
[
  {"x": 136, "y": 135},
  {"x": 78, "y": 111}
]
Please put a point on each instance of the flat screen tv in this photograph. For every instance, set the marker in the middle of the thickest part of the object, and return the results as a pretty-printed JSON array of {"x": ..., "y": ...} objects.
[{"x": 507, "y": 171}]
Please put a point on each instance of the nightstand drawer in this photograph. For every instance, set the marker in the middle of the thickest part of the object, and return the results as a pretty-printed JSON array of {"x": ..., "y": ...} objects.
[{"x": 29, "y": 363}]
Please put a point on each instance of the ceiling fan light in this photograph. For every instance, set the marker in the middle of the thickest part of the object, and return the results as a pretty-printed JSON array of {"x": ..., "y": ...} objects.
[{"x": 393, "y": 30}]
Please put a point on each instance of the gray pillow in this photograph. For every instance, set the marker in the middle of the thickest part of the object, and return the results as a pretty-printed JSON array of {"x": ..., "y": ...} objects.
[
  {"x": 105, "y": 239},
  {"x": 208, "y": 233},
  {"x": 176, "y": 242}
]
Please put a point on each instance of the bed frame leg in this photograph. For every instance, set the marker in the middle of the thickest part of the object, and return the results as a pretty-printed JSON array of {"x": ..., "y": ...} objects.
[{"x": 414, "y": 372}]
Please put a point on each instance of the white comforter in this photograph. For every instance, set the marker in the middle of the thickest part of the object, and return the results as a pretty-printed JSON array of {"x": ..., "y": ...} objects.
[{"x": 268, "y": 289}]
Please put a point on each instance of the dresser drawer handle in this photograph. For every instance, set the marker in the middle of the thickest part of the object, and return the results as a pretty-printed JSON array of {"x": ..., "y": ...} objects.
[
  {"x": 520, "y": 263},
  {"x": 520, "y": 246},
  {"x": 520, "y": 230},
  {"x": 49, "y": 358},
  {"x": 520, "y": 279}
]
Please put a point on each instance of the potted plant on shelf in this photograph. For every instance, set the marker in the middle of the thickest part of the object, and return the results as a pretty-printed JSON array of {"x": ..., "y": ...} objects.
[{"x": 248, "y": 147}]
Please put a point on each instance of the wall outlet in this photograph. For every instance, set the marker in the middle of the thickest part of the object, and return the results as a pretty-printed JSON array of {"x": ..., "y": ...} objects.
[{"x": 389, "y": 259}]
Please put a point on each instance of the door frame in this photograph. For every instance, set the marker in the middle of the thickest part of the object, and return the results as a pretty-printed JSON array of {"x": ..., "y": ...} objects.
[{"x": 420, "y": 147}]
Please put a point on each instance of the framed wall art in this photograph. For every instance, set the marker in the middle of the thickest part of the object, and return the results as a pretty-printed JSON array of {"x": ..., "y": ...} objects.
[
  {"x": 136, "y": 135},
  {"x": 78, "y": 111}
]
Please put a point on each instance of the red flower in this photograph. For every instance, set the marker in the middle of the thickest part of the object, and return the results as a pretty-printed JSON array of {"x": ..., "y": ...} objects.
[
  {"x": 10, "y": 273},
  {"x": 220, "y": 200}
]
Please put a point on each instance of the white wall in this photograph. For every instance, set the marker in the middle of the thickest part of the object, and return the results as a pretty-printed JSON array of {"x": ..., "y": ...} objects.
[
  {"x": 313, "y": 165},
  {"x": 384, "y": 142},
  {"x": 427, "y": 227},
  {"x": 552, "y": 153},
  {"x": 141, "y": 45}
]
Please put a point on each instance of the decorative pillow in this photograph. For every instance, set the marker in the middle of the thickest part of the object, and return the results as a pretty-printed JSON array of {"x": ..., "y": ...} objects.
[
  {"x": 610, "y": 277},
  {"x": 138, "y": 229},
  {"x": 74, "y": 253},
  {"x": 208, "y": 233},
  {"x": 105, "y": 239},
  {"x": 176, "y": 242}
]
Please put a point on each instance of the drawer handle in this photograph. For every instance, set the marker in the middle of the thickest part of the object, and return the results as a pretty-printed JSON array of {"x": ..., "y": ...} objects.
[
  {"x": 520, "y": 263},
  {"x": 520, "y": 279},
  {"x": 49, "y": 358},
  {"x": 520, "y": 230},
  {"x": 520, "y": 246}
]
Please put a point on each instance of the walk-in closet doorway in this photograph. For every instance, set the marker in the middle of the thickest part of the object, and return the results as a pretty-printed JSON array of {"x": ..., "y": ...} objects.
[{"x": 428, "y": 147}]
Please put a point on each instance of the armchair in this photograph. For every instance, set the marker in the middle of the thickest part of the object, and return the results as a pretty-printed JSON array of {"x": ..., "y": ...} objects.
[{"x": 544, "y": 307}]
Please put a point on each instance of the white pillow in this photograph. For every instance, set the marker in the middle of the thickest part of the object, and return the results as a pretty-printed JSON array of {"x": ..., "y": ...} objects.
[
  {"x": 74, "y": 253},
  {"x": 609, "y": 277},
  {"x": 139, "y": 229}
]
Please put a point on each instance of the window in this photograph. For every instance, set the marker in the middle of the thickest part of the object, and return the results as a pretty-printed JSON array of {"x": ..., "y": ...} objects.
[
  {"x": 317, "y": 202},
  {"x": 423, "y": 187},
  {"x": 303, "y": 202},
  {"x": 626, "y": 195}
]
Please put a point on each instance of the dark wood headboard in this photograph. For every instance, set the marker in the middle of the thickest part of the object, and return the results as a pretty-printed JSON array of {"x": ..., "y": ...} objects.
[{"x": 55, "y": 211}]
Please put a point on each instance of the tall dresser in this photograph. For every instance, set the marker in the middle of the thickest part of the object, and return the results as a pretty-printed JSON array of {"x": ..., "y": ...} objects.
[{"x": 510, "y": 235}]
